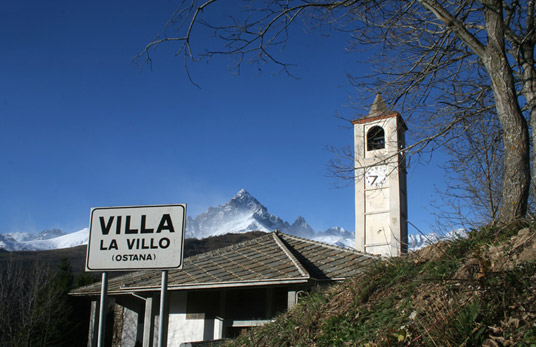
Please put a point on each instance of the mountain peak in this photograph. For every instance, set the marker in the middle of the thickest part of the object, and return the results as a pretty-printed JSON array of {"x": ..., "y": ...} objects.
[
  {"x": 245, "y": 199},
  {"x": 241, "y": 214},
  {"x": 242, "y": 193},
  {"x": 301, "y": 228},
  {"x": 299, "y": 220},
  {"x": 49, "y": 234}
]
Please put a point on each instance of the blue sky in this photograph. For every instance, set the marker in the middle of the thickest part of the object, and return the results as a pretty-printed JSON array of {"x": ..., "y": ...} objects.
[{"x": 82, "y": 125}]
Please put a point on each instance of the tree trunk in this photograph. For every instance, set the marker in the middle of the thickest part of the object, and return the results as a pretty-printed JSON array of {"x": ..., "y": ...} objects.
[
  {"x": 516, "y": 180},
  {"x": 529, "y": 92}
]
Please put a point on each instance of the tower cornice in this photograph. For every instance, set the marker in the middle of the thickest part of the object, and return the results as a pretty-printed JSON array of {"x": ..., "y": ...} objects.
[{"x": 368, "y": 119}]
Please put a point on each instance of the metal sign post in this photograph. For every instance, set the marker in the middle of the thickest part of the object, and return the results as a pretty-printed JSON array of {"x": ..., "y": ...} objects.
[
  {"x": 162, "y": 327},
  {"x": 102, "y": 310}
]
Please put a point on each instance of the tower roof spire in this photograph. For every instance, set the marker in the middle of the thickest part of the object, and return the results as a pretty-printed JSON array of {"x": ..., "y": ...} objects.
[
  {"x": 379, "y": 107},
  {"x": 379, "y": 110}
]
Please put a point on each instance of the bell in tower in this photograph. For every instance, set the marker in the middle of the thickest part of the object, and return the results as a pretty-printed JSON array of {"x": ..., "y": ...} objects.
[{"x": 380, "y": 182}]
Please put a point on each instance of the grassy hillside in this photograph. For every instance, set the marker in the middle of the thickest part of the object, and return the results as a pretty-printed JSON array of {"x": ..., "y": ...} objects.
[{"x": 469, "y": 292}]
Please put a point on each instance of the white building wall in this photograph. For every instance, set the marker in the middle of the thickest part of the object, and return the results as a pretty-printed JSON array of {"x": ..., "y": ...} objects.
[
  {"x": 129, "y": 334},
  {"x": 381, "y": 210},
  {"x": 183, "y": 327}
]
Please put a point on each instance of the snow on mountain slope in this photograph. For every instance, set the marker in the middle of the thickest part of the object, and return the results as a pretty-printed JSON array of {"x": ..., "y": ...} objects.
[
  {"x": 39, "y": 243},
  {"x": 242, "y": 213},
  {"x": 17, "y": 237},
  {"x": 77, "y": 238},
  {"x": 419, "y": 241},
  {"x": 25, "y": 236},
  {"x": 49, "y": 234},
  {"x": 334, "y": 240}
]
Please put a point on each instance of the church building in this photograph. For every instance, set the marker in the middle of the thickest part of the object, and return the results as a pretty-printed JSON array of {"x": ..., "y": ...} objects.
[{"x": 220, "y": 293}]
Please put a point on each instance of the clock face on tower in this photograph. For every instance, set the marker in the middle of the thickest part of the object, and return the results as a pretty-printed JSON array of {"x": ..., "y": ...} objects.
[{"x": 376, "y": 176}]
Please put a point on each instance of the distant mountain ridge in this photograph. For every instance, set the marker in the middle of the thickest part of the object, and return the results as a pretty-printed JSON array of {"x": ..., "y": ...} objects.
[
  {"x": 25, "y": 236},
  {"x": 45, "y": 240},
  {"x": 243, "y": 213}
]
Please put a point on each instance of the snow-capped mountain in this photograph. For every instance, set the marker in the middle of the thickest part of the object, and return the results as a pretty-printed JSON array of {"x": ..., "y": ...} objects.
[
  {"x": 20, "y": 240},
  {"x": 241, "y": 214},
  {"x": 47, "y": 239},
  {"x": 24, "y": 236},
  {"x": 245, "y": 213}
]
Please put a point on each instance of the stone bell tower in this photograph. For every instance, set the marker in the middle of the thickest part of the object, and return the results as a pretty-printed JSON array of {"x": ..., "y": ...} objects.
[{"x": 380, "y": 182}]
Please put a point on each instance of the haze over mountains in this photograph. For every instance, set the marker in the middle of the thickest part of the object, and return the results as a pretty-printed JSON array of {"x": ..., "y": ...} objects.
[{"x": 241, "y": 214}]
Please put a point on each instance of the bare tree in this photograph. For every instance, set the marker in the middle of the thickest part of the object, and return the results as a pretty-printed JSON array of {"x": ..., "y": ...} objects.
[
  {"x": 473, "y": 177},
  {"x": 431, "y": 53},
  {"x": 33, "y": 306}
]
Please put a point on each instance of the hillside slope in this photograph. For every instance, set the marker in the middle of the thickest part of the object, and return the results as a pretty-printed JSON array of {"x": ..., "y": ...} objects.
[{"x": 470, "y": 292}]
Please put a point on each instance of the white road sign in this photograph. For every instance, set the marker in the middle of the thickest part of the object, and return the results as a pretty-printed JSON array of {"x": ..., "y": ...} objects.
[{"x": 136, "y": 238}]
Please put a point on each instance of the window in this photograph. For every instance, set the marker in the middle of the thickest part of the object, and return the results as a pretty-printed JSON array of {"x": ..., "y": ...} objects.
[{"x": 375, "y": 138}]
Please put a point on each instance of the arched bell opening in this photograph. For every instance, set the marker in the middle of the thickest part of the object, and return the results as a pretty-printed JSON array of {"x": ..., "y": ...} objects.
[{"x": 375, "y": 138}]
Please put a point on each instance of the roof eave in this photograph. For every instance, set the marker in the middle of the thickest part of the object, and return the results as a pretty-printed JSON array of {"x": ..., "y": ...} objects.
[{"x": 190, "y": 286}]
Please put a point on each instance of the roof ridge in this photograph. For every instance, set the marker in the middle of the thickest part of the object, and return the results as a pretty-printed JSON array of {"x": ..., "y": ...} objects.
[
  {"x": 291, "y": 256},
  {"x": 327, "y": 245}
]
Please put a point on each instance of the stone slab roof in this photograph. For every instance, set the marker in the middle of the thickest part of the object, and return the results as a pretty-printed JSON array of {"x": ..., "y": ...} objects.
[{"x": 274, "y": 258}]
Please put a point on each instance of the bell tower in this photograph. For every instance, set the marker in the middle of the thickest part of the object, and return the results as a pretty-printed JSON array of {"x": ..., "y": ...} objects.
[{"x": 380, "y": 182}]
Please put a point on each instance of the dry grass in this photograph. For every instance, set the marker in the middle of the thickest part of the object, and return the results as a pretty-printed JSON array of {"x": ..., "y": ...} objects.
[{"x": 469, "y": 292}]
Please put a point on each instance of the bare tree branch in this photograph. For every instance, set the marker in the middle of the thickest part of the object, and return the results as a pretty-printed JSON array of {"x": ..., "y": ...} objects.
[{"x": 438, "y": 62}]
